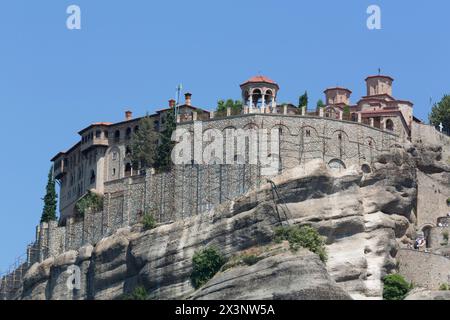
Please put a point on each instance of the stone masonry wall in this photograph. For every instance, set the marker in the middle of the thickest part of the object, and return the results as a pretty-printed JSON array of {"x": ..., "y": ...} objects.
[
  {"x": 303, "y": 138},
  {"x": 424, "y": 269},
  {"x": 194, "y": 189}
]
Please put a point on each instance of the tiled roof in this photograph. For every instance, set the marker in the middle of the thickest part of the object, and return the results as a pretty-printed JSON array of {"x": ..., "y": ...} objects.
[
  {"x": 259, "y": 79},
  {"x": 380, "y": 76}
]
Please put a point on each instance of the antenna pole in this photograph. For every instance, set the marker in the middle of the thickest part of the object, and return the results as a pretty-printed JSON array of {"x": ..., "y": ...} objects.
[{"x": 179, "y": 87}]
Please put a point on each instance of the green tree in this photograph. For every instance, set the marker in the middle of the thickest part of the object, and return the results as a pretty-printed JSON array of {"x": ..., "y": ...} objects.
[
  {"x": 149, "y": 222},
  {"x": 440, "y": 113},
  {"x": 163, "y": 160},
  {"x": 303, "y": 100},
  {"x": 205, "y": 264},
  {"x": 90, "y": 201},
  {"x": 50, "y": 199},
  {"x": 395, "y": 287},
  {"x": 320, "y": 104},
  {"x": 143, "y": 144},
  {"x": 305, "y": 237},
  {"x": 235, "y": 106},
  {"x": 346, "y": 113},
  {"x": 139, "y": 293}
]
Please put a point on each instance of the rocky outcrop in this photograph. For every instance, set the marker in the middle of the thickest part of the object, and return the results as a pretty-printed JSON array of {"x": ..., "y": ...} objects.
[
  {"x": 428, "y": 295},
  {"x": 281, "y": 274},
  {"x": 365, "y": 218}
]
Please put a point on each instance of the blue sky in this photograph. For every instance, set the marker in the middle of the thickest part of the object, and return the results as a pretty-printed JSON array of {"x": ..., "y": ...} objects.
[{"x": 132, "y": 54}]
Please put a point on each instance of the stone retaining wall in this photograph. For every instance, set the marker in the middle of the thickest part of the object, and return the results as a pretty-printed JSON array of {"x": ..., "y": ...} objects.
[{"x": 424, "y": 269}]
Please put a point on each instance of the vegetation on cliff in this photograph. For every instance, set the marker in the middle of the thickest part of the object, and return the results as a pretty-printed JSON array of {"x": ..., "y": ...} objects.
[
  {"x": 305, "y": 237},
  {"x": 440, "y": 113},
  {"x": 50, "y": 199},
  {"x": 148, "y": 222},
  {"x": 395, "y": 287},
  {"x": 206, "y": 263}
]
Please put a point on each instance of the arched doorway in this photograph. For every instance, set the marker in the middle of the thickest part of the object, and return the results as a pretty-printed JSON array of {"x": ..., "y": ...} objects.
[{"x": 128, "y": 169}]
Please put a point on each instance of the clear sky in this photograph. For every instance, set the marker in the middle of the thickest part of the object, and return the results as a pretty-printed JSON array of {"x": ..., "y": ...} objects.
[{"x": 132, "y": 54}]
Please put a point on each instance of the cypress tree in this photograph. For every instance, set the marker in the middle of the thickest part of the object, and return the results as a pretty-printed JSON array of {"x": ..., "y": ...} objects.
[
  {"x": 143, "y": 144},
  {"x": 163, "y": 159},
  {"x": 303, "y": 100},
  {"x": 50, "y": 200}
]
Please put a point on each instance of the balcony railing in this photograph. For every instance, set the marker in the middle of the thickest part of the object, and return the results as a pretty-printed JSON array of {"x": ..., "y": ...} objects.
[{"x": 94, "y": 143}]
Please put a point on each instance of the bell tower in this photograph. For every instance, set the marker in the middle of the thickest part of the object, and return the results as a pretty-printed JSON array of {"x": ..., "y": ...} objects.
[{"x": 259, "y": 95}]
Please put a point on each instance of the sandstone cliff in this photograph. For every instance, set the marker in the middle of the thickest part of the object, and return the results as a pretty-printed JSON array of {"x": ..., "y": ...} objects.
[{"x": 365, "y": 218}]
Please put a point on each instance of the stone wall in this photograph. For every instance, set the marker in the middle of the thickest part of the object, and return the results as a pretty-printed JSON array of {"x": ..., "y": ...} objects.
[
  {"x": 424, "y": 269},
  {"x": 190, "y": 190},
  {"x": 432, "y": 198},
  {"x": 303, "y": 138},
  {"x": 183, "y": 192},
  {"x": 427, "y": 134}
]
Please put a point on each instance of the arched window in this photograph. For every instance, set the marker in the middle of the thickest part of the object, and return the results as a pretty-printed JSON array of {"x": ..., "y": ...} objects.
[
  {"x": 117, "y": 135},
  {"x": 136, "y": 129},
  {"x": 389, "y": 125},
  {"x": 336, "y": 164},
  {"x": 92, "y": 179},
  {"x": 128, "y": 133}
]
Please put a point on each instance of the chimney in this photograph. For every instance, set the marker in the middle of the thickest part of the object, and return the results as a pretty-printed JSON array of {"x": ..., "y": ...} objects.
[
  {"x": 172, "y": 103},
  {"x": 188, "y": 98},
  {"x": 128, "y": 115}
]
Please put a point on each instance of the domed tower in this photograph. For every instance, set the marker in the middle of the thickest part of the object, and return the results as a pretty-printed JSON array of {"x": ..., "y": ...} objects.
[
  {"x": 379, "y": 85},
  {"x": 259, "y": 94},
  {"x": 337, "y": 96}
]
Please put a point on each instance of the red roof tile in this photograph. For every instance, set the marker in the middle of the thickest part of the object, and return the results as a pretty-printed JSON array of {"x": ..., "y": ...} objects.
[
  {"x": 380, "y": 76},
  {"x": 259, "y": 79}
]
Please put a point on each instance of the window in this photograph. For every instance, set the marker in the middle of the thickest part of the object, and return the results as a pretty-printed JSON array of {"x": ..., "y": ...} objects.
[
  {"x": 128, "y": 133},
  {"x": 136, "y": 129},
  {"x": 117, "y": 135},
  {"x": 92, "y": 179},
  {"x": 106, "y": 133},
  {"x": 114, "y": 155},
  {"x": 308, "y": 133},
  {"x": 128, "y": 170},
  {"x": 98, "y": 134},
  {"x": 389, "y": 125}
]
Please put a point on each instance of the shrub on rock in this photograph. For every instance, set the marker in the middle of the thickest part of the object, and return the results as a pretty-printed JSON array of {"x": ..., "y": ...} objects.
[
  {"x": 395, "y": 287},
  {"x": 305, "y": 237},
  {"x": 206, "y": 263}
]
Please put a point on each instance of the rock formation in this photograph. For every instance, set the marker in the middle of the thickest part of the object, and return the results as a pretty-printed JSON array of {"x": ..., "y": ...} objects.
[{"x": 365, "y": 218}]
